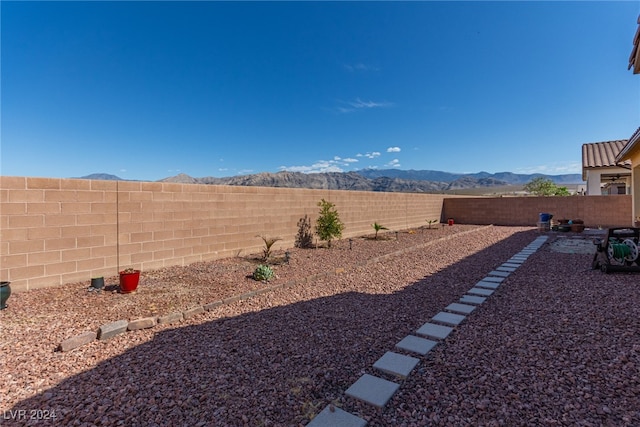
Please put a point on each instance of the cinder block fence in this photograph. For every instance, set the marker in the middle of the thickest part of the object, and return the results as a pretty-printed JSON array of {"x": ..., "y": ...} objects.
[{"x": 56, "y": 231}]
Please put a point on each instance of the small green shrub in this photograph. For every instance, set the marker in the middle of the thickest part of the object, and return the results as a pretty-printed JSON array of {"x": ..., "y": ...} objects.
[
  {"x": 378, "y": 227},
  {"x": 328, "y": 224},
  {"x": 268, "y": 243},
  {"x": 263, "y": 273},
  {"x": 304, "y": 238}
]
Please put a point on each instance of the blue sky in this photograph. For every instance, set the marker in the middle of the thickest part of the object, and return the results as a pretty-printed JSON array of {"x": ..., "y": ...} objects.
[{"x": 148, "y": 90}]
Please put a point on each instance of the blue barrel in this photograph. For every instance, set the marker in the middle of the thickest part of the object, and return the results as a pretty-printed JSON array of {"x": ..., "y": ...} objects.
[{"x": 545, "y": 217}]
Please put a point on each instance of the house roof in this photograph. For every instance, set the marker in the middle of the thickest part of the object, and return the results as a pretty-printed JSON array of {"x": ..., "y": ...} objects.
[
  {"x": 634, "y": 58},
  {"x": 630, "y": 146},
  {"x": 603, "y": 154}
]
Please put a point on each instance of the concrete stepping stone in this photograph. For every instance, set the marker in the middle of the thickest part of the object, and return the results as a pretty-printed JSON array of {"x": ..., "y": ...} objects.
[
  {"x": 480, "y": 291},
  {"x": 396, "y": 364},
  {"x": 331, "y": 416},
  {"x": 472, "y": 299},
  {"x": 499, "y": 273},
  {"x": 434, "y": 331},
  {"x": 373, "y": 390},
  {"x": 493, "y": 279},
  {"x": 518, "y": 262},
  {"x": 416, "y": 344},
  {"x": 488, "y": 285},
  {"x": 448, "y": 318},
  {"x": 508, "y": 267},
  {"x": 460, "y": 308}
]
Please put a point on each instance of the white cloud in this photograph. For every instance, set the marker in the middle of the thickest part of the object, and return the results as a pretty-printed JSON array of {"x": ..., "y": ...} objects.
[
  {"x": 395, "y": 163},
  {"x": 318, "y": 167},
  {"x": 335, "y": 165},
  {"x": 559, "y": 168},
  {"x": 360, "y": 67},
  {"x": 359, "y": 104},
  {"x": 372, "y": 155},
  {"x": 393, "y": 150}
]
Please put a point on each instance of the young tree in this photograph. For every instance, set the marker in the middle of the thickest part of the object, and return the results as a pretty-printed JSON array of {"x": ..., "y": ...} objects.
[
  {"x": 378, "y": 227},
  {"x": 328, "y": 224},
  {"x": 542, "y": 186},
  {"x": 304, "y": 237}
]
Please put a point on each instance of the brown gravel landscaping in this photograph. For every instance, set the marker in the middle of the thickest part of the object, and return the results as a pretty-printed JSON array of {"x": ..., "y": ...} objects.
[{"x": 556, "y": 344}]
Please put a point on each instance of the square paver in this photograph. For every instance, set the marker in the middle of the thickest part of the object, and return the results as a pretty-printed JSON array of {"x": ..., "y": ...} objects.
[
  {"x": 434, "y": 331},
  {"x": 460, "y": 308},
  {"x": 448, "y": 318},
  {"x": 488, "y": 285},
  {"x": 373, "y": 390},
  {"x": 480, "y": 291},
  {"x": 332, "y": 416},
  {"x": 416, "y": 344},
  {"x": 499, "y": 273},
  {"x": 396, "y": 364},
  {"x": 472, "y": 299},
  {"x": 494, "y": 279}
]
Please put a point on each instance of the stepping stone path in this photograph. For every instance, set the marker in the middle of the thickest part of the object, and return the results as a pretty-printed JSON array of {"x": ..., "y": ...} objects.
[{"x": 378, "y": 391}]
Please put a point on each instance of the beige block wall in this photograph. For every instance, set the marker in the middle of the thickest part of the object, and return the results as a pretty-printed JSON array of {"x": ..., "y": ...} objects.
[
  {"x": 56, "y": 231},
  {"x": 603, "y": 211}
]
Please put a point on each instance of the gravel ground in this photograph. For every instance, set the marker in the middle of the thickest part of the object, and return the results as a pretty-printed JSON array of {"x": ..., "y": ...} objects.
[{"x": 555, "y": 345}]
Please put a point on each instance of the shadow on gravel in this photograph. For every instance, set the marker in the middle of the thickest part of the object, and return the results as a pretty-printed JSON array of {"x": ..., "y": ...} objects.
[{"x": 278, "y": 366}]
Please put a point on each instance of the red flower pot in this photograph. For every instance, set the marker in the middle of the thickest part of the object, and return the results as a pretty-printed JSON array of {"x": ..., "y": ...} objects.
[
  {"x": 129, "y": 281},
  {"x": 450, "y": 221}
]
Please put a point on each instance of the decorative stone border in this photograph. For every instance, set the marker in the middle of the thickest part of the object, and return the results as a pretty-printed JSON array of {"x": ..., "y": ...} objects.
[{"x": 118, "y": 327}]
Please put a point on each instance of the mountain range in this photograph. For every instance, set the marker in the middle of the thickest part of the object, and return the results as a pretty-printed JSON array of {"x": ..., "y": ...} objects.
[{"x": 395, "y": 180}]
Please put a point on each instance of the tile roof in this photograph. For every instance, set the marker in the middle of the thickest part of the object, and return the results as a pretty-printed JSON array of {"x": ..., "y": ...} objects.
[
  {"x": 634, "y": 58},
  {"x": 603, "y": 154},
  {"x": 633, "y": 141}
]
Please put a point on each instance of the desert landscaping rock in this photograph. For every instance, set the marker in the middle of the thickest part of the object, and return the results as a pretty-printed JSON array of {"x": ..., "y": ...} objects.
[
  {"x": 144, "y": 323},
  {"x": 557, "y": 345},
  {"x": 112, "y": 329},
  {"x": 78, "y": 340}
]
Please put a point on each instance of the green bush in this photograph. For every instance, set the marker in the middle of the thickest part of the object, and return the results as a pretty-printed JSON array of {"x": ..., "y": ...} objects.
[
  {"x": 541, "y": 186},
  {"x": 378, "y": 227},
  {"x": 268, "y": 243},
  {"x": 328, "y": 224},
  {"x": 263, "y": 273}
]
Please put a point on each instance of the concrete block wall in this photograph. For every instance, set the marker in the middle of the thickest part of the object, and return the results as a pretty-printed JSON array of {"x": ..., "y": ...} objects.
[
  {"x": 595, "y": 211},
  {"x": 56, "y": 231}
]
